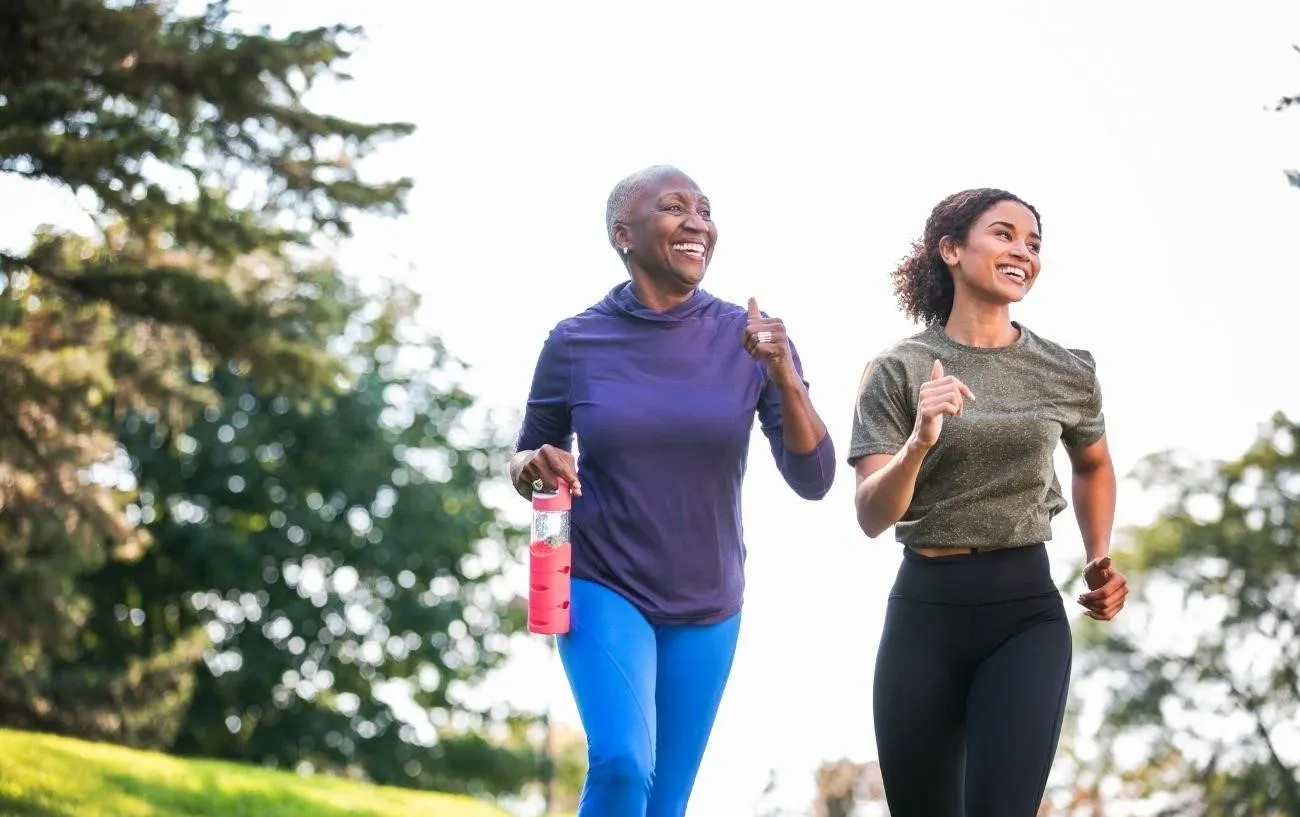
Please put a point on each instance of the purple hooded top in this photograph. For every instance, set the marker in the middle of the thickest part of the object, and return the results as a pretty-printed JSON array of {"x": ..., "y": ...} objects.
[{"x": 663, "y": 406}]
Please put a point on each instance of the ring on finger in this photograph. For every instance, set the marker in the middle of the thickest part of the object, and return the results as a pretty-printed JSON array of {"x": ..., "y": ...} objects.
[
  {"x": 763, "y": 337},
  {"x": 538, "y": 485}
]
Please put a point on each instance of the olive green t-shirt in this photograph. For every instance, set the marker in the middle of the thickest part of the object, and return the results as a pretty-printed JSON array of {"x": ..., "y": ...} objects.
[{"x": 990, "y": 480}]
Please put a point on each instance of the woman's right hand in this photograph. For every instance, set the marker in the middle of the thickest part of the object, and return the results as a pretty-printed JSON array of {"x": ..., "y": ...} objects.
[
  {"x": 939, "y": 395},
  {"x": 550, "y": 465}
]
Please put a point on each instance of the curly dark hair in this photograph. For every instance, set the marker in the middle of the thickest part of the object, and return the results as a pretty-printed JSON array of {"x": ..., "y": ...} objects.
[{"x": 922, "y": 281}]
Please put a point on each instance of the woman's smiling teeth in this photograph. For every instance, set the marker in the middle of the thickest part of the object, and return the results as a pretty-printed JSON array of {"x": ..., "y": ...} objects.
[
  {"x": 1014, "y": 272},
  {"x": 691, "y": 248}
]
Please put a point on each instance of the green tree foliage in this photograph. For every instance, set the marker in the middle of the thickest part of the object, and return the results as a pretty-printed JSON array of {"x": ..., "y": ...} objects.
[
  {"x": 1201, "y": 671},
  {"x": 74, "y": 368},
  {"x": 191, "y": 149},
  {"x": 239, "y": 499},
  {"x": 338, "y": 564}
]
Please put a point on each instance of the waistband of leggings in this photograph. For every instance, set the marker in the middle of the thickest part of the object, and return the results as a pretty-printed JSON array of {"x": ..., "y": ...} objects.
[{"x": 983, "y": 577}]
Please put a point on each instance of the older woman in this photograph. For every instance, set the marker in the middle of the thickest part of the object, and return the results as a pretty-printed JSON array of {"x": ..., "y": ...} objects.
[{"x": 660, "y": 382}]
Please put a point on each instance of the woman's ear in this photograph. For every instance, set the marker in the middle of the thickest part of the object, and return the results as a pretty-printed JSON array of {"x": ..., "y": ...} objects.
[
  {"x": 948, "y": 251},
  {"x": 622, "y": 238}
]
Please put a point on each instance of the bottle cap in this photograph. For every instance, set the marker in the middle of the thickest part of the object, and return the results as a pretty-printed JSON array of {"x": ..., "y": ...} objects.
[{"x": 560, "y": 500}]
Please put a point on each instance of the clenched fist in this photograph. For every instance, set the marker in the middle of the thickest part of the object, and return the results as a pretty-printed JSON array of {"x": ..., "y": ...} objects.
[
  {"x": 542, "y": 469},
  {"x": 765, "y": 340},
  {"x": 939, "y": 395},
  {"x": 1107, "y": 590}
]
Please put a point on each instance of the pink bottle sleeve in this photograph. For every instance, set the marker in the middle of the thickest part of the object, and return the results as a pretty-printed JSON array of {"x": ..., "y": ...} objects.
[
  {"x": 548, "y": 573},
  {"x": 548, "y": 590}
]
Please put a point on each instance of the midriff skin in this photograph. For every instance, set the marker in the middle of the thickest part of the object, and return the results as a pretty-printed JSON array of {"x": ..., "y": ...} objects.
[
  {"x": 894, "y": 477},
  {"x": 931, "y": 553}
]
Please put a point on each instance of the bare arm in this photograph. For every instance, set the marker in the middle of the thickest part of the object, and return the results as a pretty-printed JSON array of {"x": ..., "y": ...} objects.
[
  {"x": 802, "y": 428},
  {"x": 885, "y": 486},
  {"x": 801, "y": 446},
  {"x": 886, "y": 481},
  {"x": 1093, "y": 490}
]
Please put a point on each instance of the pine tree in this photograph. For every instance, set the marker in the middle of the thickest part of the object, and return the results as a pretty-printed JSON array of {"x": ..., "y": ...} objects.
[{"x": 207, "y": 180}]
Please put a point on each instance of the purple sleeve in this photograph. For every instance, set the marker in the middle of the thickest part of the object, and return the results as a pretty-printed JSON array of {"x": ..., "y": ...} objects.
[
  {"x": 546, "y": 418},
  {"x": 810, "y": 474}
]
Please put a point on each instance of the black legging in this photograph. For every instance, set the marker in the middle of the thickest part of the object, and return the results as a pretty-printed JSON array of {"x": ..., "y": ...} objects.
[{"x": 971, "y": 680}]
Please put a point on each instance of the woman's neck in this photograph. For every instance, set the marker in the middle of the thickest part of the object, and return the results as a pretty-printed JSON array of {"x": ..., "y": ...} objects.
[
  {"x": 655, "y": 295},
  {"x": 985, "y": 326}
]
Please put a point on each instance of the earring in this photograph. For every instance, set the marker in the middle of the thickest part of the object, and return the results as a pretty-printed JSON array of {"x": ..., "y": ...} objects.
[{"x": 625, "y": 249}]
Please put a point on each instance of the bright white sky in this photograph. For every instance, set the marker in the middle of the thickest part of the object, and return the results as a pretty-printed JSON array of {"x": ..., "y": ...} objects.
[{"x": 823, "y": 135}]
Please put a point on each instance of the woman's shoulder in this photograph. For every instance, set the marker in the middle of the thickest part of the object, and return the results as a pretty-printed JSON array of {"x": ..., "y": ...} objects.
[
  {"x": 1080, "y": 359},
  {"x": 919, "y": 349},
  {"x": 905, "y": 362},
  {"x": 577, "y": 322}
]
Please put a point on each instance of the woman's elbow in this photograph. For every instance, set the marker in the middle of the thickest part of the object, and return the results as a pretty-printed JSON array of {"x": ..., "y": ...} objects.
[
  {"x": 813, "y": 492},
  {"x": 872, "y": 529},
  {"x": 868, "y": 522},
  {"x": 810, "y": 480},
  {"x": 872, "y": 522}
]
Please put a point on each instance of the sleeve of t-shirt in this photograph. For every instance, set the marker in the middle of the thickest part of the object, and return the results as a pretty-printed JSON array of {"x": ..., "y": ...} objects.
[
  {"x": 1092, "y": 421},
  {"x": 546, "y": 418},
  {"x": 885, "y": 413},
  {"x": 809, "y": 474}
]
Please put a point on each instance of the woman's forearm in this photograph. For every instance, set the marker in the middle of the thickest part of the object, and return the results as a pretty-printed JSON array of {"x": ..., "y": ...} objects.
[
  {"x": 516, "y": 465},
  {"x": 802, "y": 428},
  {"x": 1094, "y": 490},
  {"x": 884, "y": 495},
  {"x": 805, "y": 454}
]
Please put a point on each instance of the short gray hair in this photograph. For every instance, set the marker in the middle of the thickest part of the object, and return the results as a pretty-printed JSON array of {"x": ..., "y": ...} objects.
[{"x": 627, "y": 190}]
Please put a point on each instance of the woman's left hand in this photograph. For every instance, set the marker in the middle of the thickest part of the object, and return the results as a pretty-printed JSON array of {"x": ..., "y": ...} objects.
[
  {"x": 1107, "y": 590},
  {"x": 765, "y": 340}
]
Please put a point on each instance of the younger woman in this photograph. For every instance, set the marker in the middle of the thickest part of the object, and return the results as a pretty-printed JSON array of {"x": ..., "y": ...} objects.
[{"x": 953, "y": 443}]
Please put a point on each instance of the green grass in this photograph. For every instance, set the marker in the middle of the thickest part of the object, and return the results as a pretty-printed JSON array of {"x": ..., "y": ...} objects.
[{"x": 47, "y": 776}]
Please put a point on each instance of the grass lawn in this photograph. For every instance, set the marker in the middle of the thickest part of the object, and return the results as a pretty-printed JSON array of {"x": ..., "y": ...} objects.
[{"x": 47, "y": 776}]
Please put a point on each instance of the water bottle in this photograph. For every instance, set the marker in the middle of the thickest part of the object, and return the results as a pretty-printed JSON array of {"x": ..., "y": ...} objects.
[{"x": 549, "y": 562}]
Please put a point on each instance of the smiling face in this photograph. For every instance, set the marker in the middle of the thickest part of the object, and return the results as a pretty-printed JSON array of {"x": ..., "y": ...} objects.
[
  {"x": 999, "y": 260},
  {"x": 668, "y": 230}
]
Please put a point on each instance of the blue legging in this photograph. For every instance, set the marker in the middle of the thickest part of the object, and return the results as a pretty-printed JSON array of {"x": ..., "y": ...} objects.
[{"x": 647, "y": 696}]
